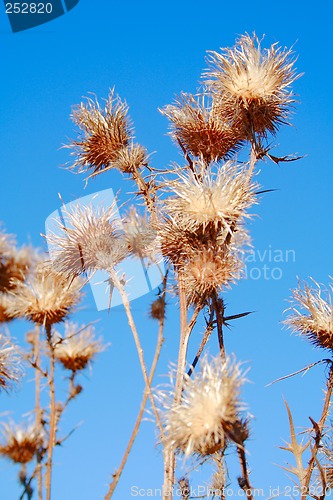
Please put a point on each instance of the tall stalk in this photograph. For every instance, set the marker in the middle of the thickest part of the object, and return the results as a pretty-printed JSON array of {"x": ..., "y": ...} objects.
[{"x": 52, "y": 420}]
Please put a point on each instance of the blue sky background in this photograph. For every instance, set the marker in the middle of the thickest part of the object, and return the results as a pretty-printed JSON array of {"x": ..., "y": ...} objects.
[{"x": 151, "y": 51}]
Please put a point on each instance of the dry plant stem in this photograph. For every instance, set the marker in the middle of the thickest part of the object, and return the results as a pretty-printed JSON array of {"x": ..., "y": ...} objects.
[
  {"x": 219, "y": 322},
  {"x": 246, "y": 487},
  {"x": 318, "y": 428},
  {"x": 146, "y": 189},
  {"x": 52, "y": 423},
  {"x": 120, "y": 287},
  {"x": 117, "y": 474},
  {"x": 253, "y": 160},
  {"x": 169, "y": 455},
  {"x": 203, "y": 343},
  {"x": 28, "y": 483},
  {"x": 38, "y": 410}
]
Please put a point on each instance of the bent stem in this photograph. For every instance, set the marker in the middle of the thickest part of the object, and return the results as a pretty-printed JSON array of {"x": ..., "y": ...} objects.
[
  {"x": 120, "y": 287},
  {"x": 117, "y": 474},
  {"x": 52, "y": 423},
  {"x": 318, "y": 428},
  {"x": 38, "y": 410},
  {"x": 244, "y": 481},
  {"x": 169, "y": 454},
  {"x": 160, "y": 340}
]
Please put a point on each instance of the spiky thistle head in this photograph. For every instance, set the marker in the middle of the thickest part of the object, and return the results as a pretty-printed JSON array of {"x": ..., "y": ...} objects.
[
  {"x": 157, "y": 309},
  {"x": 140, "y": 235},
  {"x": 105, "y": 133},
  {"x": 89, "y": 240},
  {"x": 207, "y": 271},
  {"x": 77, "y": 348},
  {"x": 5, "y": 302},
  {"x": 46, "y": 297},
  {"x": 251, "y": 85},
  {"x": 14, "y": 262},
  {"x": 20, "y": 442},
  {"x": 10, "y": 363},
  {"x": 131, "y": 158},
  {"x": 208, "y": 413},
  {"x": 312, "y": 314},
  {"x": 219, "y": 198},
  {"x": 200, "y": 129}
]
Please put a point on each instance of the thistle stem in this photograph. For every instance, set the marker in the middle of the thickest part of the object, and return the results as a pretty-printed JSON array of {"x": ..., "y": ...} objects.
[
  {"x": 169, "y": 455},
  {"x": 117, "y": 474},
  {"x": 318, "y": 428},
  {"x": 160, "y": 340},
  {"x": 38, "y": 410},
  {"x": 219, "y": 313},
  {"x": 52, "y": 423},
  {"x": 120, "y": 287},
  {"x": 244, "y": 481}
]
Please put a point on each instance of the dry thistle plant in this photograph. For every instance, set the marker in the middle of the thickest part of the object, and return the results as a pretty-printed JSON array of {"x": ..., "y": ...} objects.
[
  {"x": 311, "y": 317},
  {"x": 35, "y": 291},
  {"x": 10, "y": 363},
  {"x": 195, "y": 217}
]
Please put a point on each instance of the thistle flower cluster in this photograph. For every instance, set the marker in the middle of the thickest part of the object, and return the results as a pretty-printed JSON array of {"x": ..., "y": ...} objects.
[
  {"x": 46, "y": 297},
  {"x": 107, "y": 138},
  {"x": 312, "y": 314},
  {"x": 87, "y": 240},
  {"x": 199, "y": 127},
  {"x": 15, "y": 265},
  {"x": 10, "y": 363},
  {"x": 93, "y": 238},
  {"x": 209, "y": 412},
  {"x": 77, "y": 348},
  {"x": 203, "y": 219},
  {"x": 251, "y": 85},
  {"x": 247, "y": 93},
  {"x": 20, "y": 442}
]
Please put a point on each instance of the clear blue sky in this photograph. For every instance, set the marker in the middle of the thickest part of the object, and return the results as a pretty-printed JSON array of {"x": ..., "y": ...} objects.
[{"x": 150, "y": 51}]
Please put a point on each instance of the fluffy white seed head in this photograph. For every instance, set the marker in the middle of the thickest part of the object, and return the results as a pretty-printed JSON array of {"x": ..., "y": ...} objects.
[{"x": 209, "y": 410}]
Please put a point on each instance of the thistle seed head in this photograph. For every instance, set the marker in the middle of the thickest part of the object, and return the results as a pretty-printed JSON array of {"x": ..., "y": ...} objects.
[
  {"x": 200, "y": 128},
  {"x": 10, "y": 363},
  {"x": 208, "y": 411},
  {"x": 105, "y": 133},
  {"x": 312, "y": 314},
  {"x": 20, "y": 442},
  {"x": 220, "y": 198},
  {"x": 251, "y": 85},
  {"x": 89, "y": 240},
  {"x": 77, "y": 348},
  {"x": 46, "y": 297}
]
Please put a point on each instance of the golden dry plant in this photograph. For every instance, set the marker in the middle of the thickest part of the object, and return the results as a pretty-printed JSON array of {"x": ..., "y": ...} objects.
[{"x": 190, "y": 220}]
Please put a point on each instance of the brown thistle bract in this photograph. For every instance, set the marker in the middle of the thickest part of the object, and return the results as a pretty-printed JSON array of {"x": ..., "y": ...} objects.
[
  {"x": 20, "y": 442},
  {"x": 107, "y": 137},
  {"x": 251, "y": 85},
  {"x": 157, "y": 309},
  {"x": 200, "y": 129},
  {"x": 10, "y": 364},
  {"x": 209, "y": 409},
  {"x": 46, "y": 297},
  {"x": 14, "y": 263},
  {"x": 217, "y": 198},
  {"x": 131, "y": 158},
  {"x": 140, "y": 236},
  {"x": 77, "y": 348},
  {"x": 207, "y": 272},
  {"x": 89, "y": 240},
  {"x": 313, "y": 315},
  {"x": 5, "y": 302}
]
